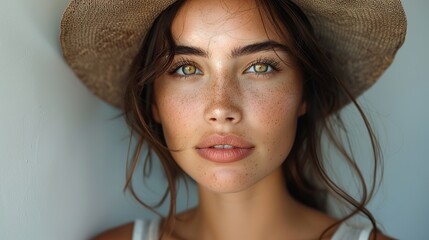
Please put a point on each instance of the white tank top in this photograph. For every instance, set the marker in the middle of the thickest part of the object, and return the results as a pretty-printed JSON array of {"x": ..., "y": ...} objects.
[{"x": 149, "y": 229}]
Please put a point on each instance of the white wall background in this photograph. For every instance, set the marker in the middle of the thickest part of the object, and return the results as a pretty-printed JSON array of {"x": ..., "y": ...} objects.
[
  {"x": 401, "y": 101},
  {"x": 62, "y": 155}
]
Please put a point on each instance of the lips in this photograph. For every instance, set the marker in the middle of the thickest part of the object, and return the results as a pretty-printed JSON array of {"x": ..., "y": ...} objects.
[{"x": 224, "y": 149}]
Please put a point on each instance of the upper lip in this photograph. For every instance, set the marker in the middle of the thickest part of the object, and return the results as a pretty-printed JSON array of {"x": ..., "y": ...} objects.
[{"x": 218, "y": 139}]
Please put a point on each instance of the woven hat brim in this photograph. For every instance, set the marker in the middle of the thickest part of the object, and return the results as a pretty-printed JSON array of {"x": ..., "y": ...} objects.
[
  {"x": 100, "y": 39},
  {"x": 362, "y": 37}
]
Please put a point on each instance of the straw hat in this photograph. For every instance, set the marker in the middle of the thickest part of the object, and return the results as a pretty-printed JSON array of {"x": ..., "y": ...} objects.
[{"x": 100, "y": 38}]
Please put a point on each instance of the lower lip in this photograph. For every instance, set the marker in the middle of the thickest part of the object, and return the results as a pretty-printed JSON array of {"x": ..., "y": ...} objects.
[{"x": 224, "y": 155}]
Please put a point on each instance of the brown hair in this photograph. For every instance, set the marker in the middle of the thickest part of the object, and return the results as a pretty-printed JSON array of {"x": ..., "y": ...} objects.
[{"x": 324, "y": 94}]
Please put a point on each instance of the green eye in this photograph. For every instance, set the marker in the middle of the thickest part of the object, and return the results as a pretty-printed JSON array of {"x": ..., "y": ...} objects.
[
  {"x": 188, "y": 70},
  {"x": 260, "y": 68}
]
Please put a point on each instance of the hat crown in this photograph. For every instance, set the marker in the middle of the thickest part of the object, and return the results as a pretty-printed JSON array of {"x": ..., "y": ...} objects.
[{"x": 100, "y": 39}]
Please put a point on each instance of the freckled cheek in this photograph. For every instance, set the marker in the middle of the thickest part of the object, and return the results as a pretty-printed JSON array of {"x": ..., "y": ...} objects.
[
  {"x": 176, "y": 113},
  {"x": 275, "y": 110},
  {"x": 276, "y": 117}
]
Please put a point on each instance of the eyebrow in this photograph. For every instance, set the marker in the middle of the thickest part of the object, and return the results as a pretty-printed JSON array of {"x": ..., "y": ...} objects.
[
  {"x": 258, "y": 47},
  {"x": 185, "y": 50},
  {"x": 236, "y": 52}
]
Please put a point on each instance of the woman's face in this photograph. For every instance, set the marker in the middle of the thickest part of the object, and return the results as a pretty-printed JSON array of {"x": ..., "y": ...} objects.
[{"x": 229, "y": 103}]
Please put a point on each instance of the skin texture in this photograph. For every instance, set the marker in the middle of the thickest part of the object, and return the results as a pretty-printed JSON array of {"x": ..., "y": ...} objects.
[
  {"x": 226, "y": 98},
  {"x": 213, "y": 90},
  {"x": 245, "y": 199}
]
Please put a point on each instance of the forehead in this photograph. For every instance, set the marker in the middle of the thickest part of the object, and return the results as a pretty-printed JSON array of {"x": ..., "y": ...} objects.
[{"x": 220, "y": 20}]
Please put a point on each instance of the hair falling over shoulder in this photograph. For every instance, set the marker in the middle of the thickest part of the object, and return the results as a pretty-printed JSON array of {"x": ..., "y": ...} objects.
[{"x": 305, "y": 170}]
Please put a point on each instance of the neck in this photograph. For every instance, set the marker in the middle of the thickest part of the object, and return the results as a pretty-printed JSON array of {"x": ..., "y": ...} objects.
[{"x": 265, "y": 209}]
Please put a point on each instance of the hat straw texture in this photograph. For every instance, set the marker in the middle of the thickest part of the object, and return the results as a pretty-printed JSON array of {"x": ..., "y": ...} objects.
[
  {"x": 100, "y": 38},
  {"x": 362, "y": 37}
]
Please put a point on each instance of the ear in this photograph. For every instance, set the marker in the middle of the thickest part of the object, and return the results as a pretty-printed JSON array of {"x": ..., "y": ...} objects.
[
  {"x": 155, "y": 113},
  {"x": 302, "y": 108}
]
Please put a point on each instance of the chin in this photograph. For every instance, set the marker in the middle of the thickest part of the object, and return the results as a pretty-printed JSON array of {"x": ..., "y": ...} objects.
[{"x": 227, "y": 180}]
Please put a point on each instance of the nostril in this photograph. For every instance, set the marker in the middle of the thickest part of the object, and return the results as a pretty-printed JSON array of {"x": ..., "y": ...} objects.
[
  {"x": 221, "y": 115},
  {"x": 227, "y": 119}
]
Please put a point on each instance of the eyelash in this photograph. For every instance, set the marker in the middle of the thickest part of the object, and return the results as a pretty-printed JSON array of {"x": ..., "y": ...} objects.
[
  {"x": 180, "y": 63},
  {"x": 274, "y": 64}
]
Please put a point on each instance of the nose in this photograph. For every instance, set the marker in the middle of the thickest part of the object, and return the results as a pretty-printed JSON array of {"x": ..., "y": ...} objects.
[
  {"x": 222, "y": 115},
  {"x": 223, "y": 103}
]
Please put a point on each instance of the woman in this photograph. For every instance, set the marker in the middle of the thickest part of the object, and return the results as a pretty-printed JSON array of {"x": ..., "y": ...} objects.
[{"x": 235, "y": 95}]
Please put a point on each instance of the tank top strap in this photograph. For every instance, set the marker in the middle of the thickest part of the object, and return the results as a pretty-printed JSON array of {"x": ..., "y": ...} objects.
[
  {"x": 347, "y": 231},
  {"x": 149, "y": 230},
  {"x": 146, "y": 229}
]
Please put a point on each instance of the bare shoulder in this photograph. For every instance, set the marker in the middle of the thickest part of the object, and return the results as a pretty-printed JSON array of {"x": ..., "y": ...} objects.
[{"x": 123, "y": 232}]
